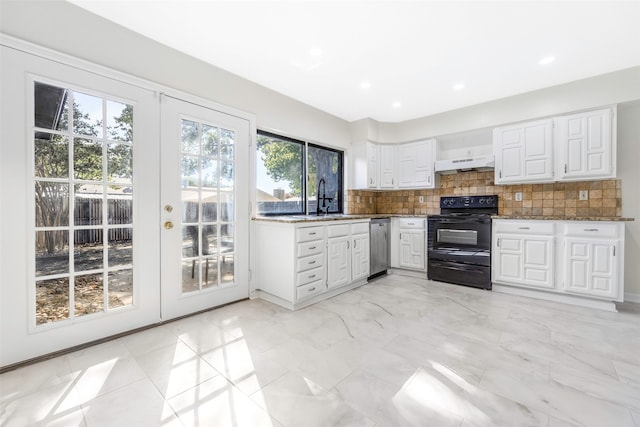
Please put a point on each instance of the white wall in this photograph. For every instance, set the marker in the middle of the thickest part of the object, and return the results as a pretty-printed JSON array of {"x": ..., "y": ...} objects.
[
  {"x": 69, "y": 29},
  {"x": 629, "y": 173},
  {"x": 613, "y": 88}
]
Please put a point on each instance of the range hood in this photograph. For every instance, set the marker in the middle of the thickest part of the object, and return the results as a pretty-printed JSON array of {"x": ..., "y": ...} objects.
[{"x": 486, "y": 162}]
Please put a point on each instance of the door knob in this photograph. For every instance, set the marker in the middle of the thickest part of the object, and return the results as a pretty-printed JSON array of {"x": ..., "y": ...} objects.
[
  {"x": 168, "y": 208},
  {"x": 168, "y": 225}
]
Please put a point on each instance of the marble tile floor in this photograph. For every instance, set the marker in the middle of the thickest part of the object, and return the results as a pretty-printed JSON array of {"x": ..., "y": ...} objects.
[{"x": 398, "y": 351}]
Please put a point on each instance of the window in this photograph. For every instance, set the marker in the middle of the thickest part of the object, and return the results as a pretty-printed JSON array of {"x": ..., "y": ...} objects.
[{"x": 282, "y": 165}]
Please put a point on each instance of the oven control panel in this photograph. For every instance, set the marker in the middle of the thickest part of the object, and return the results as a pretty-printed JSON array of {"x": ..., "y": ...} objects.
[{"x": 469, "y": 202}]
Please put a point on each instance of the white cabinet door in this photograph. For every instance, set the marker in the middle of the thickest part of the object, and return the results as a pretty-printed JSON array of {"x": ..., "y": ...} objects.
[
  {"x": 360, "y": 257},
  {"x": 373, "y": 165},
  {"x": 591, "y": 267},
  {"x": 387, "y": 161},
  {"x": 524, "y": 152},
  {"x": 339, "y": 261},
  {"x": 524, "y": 260},
  {"x": 586, "y": 148},
  {"x": 415, "y": 164},
  {"x": 412, "y": 249}
]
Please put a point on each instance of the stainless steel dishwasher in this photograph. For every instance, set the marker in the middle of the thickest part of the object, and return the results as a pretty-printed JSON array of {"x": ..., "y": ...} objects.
[{"x": 379, "y": 245}]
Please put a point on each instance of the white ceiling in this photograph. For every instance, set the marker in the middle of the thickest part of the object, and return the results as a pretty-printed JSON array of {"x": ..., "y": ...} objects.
[{"x": 410, "y": 53}]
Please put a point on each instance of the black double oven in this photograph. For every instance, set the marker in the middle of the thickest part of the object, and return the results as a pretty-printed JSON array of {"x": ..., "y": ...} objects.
[{"x": 459, "y": 241}]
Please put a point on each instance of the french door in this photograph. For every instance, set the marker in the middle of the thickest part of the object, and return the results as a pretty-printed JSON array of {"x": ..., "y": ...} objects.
[
  {"x": 205, "y": 207},
  {"x": 120, "y": 207},
  {"x": 79, "y": 168}
]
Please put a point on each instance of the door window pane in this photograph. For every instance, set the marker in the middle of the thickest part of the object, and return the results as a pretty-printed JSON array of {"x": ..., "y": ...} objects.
[
  {"x": 119, "y": 121},
  {"x": 52, "y": 252},
  {"x": 87, "y": 115},
  {"x": 51, "y": 155},
  {"x": 120, "y": 292},
  {"x": 89, "y": 250},
  {"x": 52, "y": 300},
  {"x": 52, "y": 204},
  {"x": 87, "y": 159},
  {"x": 51, "y": 107},
  {"x": 88, "y": 294},
  {"x": 120, "y": 163}
]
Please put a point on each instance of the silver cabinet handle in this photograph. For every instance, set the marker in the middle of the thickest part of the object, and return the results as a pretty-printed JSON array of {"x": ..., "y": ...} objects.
[
  {"x": 313, "y": 233},
  {"x": 312, "y": 276},
  {"x": 312, "y": 289},
  {"x": 591, "y": 229},
  {"x": 498, "y": 242},
  {"x": 354, "y": 244},
  {"x": 312, "y": 262},
  {"x": 312, "y": 247},
  {"x": 523, "y": 228}
]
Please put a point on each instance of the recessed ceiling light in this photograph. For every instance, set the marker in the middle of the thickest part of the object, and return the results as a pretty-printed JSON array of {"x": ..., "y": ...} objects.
[
  {"x": 547, "y": 60},
  {"x": 316, "y": 51},
  {"x": 458, "y": 86},
  {"x": 365, "y": 85},
  {"x": 396, "y": 105}
]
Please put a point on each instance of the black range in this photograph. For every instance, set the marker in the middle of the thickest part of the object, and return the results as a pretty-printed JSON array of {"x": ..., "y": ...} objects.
[{"x": 459, "y": 241}]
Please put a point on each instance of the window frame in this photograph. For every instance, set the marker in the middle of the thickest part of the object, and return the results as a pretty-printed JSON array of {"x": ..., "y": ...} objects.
[{"x": 305, "y": 175}]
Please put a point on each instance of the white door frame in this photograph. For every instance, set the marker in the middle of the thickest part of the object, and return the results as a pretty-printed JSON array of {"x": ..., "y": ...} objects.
[{"x": 14, "y": 224}]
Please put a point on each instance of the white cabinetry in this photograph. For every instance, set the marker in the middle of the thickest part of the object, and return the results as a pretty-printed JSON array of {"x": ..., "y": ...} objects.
[
  {"x": 524, "y": 152},
  {"x": 390, "y": 166},
  {"x": 585, "y": 148},
  {"x": 373, "y": 165},
  {"x": 360, "y": 261},
  {"x": 339, "y": 256},
  {"x": 408, "y": 247},
  {"x": 585, "y": 145},
  {"x": 580, "y": 262},
  {"x": 523, "y": 253},
  {"x": 592, "y": 255},
  {"x": 415, "y": 164},
  {"x": 348, "y": 253},
  {"x": 387, "y": 162},
  {"x": 298, "y": 264}
]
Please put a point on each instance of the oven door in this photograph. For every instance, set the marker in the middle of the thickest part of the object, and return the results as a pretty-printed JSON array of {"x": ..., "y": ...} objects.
[{"x": 468, "y": 233}]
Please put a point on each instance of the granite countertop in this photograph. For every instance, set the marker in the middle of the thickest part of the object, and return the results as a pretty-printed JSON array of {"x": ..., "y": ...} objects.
[
  {"x": 564, "y": 218},
  {"x": 293, "y": 219}
]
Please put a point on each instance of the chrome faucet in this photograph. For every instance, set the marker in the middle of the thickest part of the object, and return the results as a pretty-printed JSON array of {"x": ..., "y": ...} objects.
[{"x": 325, "y": 199}]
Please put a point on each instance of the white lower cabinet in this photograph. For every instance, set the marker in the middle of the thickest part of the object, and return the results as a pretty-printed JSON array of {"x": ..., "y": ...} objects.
[
  {"x": 408, "y": 246},
  {"x": 297, "y": 264},
  {"x": 523, "y": 254},
  {"x": 593, "y": 260},
  {"x": 582, "y": 259},
  {"x": 348, "y": 253}
]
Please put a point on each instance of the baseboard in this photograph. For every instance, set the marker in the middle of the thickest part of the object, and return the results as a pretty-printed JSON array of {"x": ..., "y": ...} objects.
[
  {"x": 631, "y": 297},
  {"x": 410, "y": 273},
  {"x": 557, "y": 297}
]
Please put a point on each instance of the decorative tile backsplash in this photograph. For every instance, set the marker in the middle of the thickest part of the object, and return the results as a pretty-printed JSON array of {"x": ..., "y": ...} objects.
[{"x": 555, "y": 199}]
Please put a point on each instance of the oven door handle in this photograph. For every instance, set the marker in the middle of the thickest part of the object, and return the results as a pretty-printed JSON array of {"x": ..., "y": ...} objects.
[{"x": 462, "y": 221}]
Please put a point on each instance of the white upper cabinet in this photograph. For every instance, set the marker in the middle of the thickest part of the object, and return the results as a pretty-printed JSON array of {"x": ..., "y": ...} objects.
[
  {"x": 373, "y": 165},
  {"x": 524, "y": 152},
  {"x": 387, "y": 161},
  {"x": 415, "y": 164},
  {"x": 586, "y": 147}
]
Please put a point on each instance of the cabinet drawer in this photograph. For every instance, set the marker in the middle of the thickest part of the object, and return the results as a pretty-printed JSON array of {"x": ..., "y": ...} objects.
[
  {"x": 309, "y": 262},
  {"x": 524, "y": 227},
  {"x": 360, "y": 228},
  {"x": 591, "y": 229},
  {"x": 308, "y": 234},
  {"x": 309, "y": 276},
  {"x": 310, "y": 289},
  {"x": 310, "y": 248},
  {"x": 338, "y": 230},
  {"x": 417, "y": 223}
]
